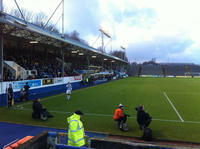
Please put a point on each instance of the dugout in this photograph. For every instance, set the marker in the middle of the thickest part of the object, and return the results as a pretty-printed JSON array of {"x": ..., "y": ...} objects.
[{"x": 56, "y": 140}]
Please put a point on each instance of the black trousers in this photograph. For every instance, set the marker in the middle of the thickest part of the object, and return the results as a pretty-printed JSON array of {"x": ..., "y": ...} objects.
[
  {"x": 147, "y": 123},
  {"x": 121, "y": 119},
  {"x": 26, "y": 95},
  {"x": 144, "y": 124},
  {"x": 9, "y": 102}
]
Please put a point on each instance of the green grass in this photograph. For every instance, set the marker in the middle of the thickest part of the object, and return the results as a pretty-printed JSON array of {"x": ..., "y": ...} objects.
[{"x": 131, "y": 92}]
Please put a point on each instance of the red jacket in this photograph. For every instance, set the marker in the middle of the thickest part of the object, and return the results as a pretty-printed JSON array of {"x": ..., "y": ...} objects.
[{"x": 118, "y": 113}]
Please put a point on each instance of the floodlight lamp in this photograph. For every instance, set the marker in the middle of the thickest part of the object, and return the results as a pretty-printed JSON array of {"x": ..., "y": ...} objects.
[
  {"x": 112, "y": 61},
  {"x": 123, "y": 47},
  {"x": 33, "y": 42},
  {"x": 105, "y": 59},
  {"x": 74, "y": 52},
  {"x": 94, "y": 56},
  {"x": 20, "y": 23},
  {"x": 81, "y": 54},
  {"x": 105, "y": 33}
]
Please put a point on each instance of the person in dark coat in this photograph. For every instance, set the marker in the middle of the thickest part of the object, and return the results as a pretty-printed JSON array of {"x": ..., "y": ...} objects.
[
  {"x": 26, "y": 88},
  {"x": 38, "y": 110},
  {"x": 22, "y": 94},
  {"x": 143, "y": 118},
  {"x": 10, "y": 96}
]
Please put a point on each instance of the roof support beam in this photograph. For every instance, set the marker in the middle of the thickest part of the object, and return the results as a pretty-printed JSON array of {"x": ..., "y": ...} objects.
[
  {"x": 63, "y": 61},
  {"x": 1, "y": 5},
  {"x": 1, "y": 55},
  {"x": 88, "y": 61}
]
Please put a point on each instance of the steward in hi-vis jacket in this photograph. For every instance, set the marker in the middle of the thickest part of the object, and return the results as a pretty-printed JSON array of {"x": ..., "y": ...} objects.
[{"x": 76, "y": 130}]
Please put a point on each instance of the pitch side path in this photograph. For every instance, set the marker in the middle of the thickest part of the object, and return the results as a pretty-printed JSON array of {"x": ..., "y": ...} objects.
[{"x": 10, "y": 132}]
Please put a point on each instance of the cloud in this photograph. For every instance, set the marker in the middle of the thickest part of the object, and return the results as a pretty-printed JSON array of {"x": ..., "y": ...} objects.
[
  {"x": 125, "y": 21},
  {"x": 82, "y": 16},
  {"x": 164, "y": 49},
  {"x": 167, "y": 30},
  {"x": 170, "y": 34}
]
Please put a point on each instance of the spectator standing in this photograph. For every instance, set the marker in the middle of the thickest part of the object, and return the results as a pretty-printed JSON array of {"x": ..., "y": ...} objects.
[
  {"x": 69, "y": 90},
  {"x": 26, "y": 88},
  {"x": 82, "y": 82},
  {"x": 10, "y": 96},
  {"x": 87, "y": 80},
  {"x": 22, "y": 94},
  {"x": 76, "y": 130}
]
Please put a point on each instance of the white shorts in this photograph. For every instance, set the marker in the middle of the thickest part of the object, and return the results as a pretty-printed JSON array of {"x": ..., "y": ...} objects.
[{"x": 68, "y": 92}]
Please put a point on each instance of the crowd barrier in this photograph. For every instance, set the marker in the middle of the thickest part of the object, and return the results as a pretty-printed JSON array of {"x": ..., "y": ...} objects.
[
  {"x": 54, "y": 140},
  {"x": 59, "y": 140},
  {"x": 39, "y": 87},
  {"x": 42, "y": 87}
]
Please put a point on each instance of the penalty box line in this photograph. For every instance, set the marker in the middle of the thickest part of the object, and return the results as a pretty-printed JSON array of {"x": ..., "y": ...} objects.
[
  {"x": 105, "y": 115},
  {"x": 173, "y": 107}
]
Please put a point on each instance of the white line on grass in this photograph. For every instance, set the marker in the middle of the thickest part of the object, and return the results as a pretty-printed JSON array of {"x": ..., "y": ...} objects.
[
  {"x": 105, "y": 115},
  {"x": 29, "y": 103},
  {"x": 173, "y": 107}
]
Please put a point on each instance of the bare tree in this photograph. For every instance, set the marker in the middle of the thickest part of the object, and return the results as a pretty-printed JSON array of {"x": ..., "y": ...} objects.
[
  {"x": 66, "y": 35},
  {"x": 76, "y": 36},
  {"x": 5, "y": 9},
  {"x": 99, "y": 49},
  {"x": 28, "y": 15},
  {"x": 120, "y": 54},
  {"x": 52, "y": 28},
  {"x": 40, "y": 19}
]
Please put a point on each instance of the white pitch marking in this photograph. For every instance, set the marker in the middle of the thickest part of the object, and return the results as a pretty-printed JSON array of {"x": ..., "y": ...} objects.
[
  {"x": 105, "y": 115},
  {"x": 29, "y": 103},
  {"x": 173, "y": 107}
]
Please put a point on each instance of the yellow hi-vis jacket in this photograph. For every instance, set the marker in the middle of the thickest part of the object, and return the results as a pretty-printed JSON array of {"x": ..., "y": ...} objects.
[{"x": 75, "y": 131}]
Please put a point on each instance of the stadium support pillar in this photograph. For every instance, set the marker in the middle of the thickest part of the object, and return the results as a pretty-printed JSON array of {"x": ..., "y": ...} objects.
[
  {"x": 1, "y": 5},
  {"x": 63, "y": 61},
  {"x": 1, "y": 55},
  {"x": 102, "y": 62},
  {"x": 88, "y": 61}
]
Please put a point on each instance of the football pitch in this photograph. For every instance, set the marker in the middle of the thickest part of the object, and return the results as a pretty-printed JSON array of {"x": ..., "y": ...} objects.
[{"x": 173, "y": 103}]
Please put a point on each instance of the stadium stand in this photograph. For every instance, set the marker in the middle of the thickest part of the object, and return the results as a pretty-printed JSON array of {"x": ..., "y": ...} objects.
[
  {"x": 46, "y": 56},
  {"x": 45, "y": 67},
  {"x": 170, "y": 69},
  {"x": 7, "y": 76},
  {"x": 47, "y": 60},
  {"x": 175, "y": 69},
  {"x": 46, "y": 64},
  {"x": 134, "y": 69},
  {"x": 151, "y": 69}
]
